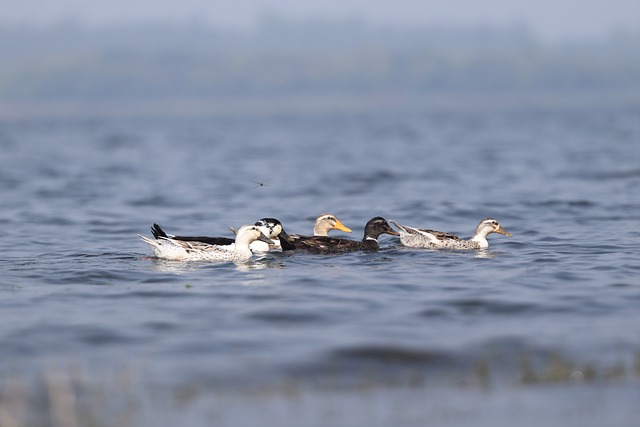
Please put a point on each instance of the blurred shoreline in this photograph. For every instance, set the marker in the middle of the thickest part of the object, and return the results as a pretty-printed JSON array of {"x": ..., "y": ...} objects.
[
  {"x": 273, "y": 106},
  {"x": 305, "y": 67}
]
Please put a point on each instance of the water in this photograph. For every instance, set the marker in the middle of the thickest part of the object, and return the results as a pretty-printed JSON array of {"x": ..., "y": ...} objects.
[{"x": 543, "y": 326}]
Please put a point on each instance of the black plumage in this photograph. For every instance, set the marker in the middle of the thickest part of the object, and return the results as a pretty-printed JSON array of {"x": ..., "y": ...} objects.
[
  {"x": 159, "y": 232},
  {"x": 326, "y": 244}
]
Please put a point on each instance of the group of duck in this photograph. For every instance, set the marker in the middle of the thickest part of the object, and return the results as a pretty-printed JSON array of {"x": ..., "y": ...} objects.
[{"x": 268, "y": 234}]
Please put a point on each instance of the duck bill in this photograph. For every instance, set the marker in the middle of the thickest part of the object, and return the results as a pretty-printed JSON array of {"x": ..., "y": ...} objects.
[
  {"x": 284, "y": 236},
  {"x": 286, "y": 242},
  {"x": 340, "y": 226},
  {"x": 265, "y": 239},
  {"x": 392, "y": 232},
  {"x": 502, "y": 231}
]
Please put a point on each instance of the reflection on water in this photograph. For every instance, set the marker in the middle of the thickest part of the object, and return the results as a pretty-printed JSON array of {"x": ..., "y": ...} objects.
[
  {"x": 486, "y": 253},
  {"x": 175, "y": 266},
  {"x": 259, "y": 262}
]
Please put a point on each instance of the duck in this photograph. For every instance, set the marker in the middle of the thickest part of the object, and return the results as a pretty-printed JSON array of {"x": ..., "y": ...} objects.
[
  {"x": 171, "y": 248},
  {"x": 327, "y": 222},
  {"x": 270, "y": 227},
  {"x": 422, "y": 238},
  {"x": 326, "y": 244},
  {"x": 323, "y": 225},
  {"x": 273, "y": 229}
]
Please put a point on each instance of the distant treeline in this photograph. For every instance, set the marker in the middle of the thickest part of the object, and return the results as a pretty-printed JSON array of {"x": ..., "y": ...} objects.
[{"x": 71, "y": 63}]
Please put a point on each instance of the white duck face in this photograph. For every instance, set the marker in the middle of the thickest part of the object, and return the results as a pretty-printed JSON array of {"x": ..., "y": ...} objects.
[
  {"x": 488, "y": 226},
  {"x": 327, "y": 222},
  {"x": 270, "y": 227},
  {"x": 250, "y": 233}
]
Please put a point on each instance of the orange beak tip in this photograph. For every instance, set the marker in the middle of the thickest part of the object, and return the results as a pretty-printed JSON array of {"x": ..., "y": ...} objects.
[{"x": 340, "y": 226}]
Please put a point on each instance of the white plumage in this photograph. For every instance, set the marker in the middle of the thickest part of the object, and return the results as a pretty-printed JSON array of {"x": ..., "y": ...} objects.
[
  {"x": 173, "y": 249},
  {"x": 423, "y": 238}
]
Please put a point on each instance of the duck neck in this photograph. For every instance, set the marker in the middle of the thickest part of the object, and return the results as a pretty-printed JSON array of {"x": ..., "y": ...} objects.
[
  {"x": 320, "y": 230},
  {"x": 481, "y": 239},
  {"x": 242, "y": 246},
  {"x": 367, "y": 238}
]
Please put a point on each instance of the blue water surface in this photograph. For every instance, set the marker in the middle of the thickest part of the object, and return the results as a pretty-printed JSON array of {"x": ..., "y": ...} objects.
[{"x": 544, "y": 318}]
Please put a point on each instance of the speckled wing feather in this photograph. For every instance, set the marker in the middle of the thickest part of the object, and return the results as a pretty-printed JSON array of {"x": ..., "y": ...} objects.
[
  {"x": 424, "y": 238},
  {"x": 206, "y": 252},
  {"x": 170, "y": 248},
  {"x": 293, "y": 238},
  {"x": 328, "y": 244},
  {"x": 440, "y": 235}
]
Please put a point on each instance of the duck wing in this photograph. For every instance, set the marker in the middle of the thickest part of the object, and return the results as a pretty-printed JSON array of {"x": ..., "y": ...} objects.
[
  {"x": 215, "y": 241},
  {"x": 158, "y": 233},
  {"x": 440, "y": 235},
  {"x": 327, "y": 244},
  {"x": 432, "y": 235}
]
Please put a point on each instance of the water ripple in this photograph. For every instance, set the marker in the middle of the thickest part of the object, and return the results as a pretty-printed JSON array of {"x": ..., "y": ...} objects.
[{"x": 556, "y": 297}]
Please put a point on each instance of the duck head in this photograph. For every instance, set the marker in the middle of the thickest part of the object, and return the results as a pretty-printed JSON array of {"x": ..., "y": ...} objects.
[
  {"x": 327, "y": 222},
  {"x": 270, "y": 227},
  {"x": 488, "y": 226},
  {"x": 273, "y": 229},
  {"x": 249, "y": 233},
  {"x": 377, "y": 226}
]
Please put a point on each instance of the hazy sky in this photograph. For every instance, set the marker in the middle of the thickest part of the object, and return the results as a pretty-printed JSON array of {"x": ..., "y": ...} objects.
[{"x": 548, "y": 18}]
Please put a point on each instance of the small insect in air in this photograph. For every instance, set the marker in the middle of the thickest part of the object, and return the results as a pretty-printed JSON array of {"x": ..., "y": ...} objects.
[{"x": 261, "y": 183}]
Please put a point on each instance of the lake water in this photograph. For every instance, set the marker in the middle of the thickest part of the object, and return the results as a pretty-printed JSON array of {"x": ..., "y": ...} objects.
[{"x": 543, "y": 329}]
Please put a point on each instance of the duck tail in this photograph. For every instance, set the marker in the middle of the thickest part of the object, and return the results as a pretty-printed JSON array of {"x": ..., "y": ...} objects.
[
  {"x": 157, "y": 231},
  {"x": 401, "y": 227}
]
